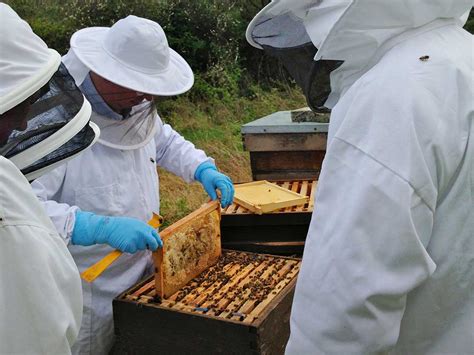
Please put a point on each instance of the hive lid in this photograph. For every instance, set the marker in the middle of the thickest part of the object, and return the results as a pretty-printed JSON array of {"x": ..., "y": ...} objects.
[
  {"x": 280, "y": 122},
  {"x": 263, "y": 196},
  {"x": 190, "y": 246}
]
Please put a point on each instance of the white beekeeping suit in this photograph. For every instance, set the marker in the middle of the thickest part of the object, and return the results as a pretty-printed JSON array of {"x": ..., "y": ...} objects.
[
  {"x": 116, "y": 177},
  {"x": 40, "y": 296},
  {"x": 388, "y": 263},
  {"x": 44, "y": 119}
]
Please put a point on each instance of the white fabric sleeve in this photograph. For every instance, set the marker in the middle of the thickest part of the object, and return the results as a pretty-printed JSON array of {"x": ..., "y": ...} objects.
[
  {"x": 47, "y": 188},
  {"x": 40, "y": 293},
  {"x": 365, "y": 252},
  {"x": 176, "y": 154}
]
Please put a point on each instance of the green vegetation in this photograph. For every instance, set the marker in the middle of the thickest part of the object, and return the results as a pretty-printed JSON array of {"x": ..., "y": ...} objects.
[
  {"x": 234, "y": 83},
  {"x": 214, "y": 126},
  {"x": 232, "y": 79}
]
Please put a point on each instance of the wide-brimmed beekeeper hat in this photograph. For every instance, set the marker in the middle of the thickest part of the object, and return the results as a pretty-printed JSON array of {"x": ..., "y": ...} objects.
[
  {"x": 133, "y": 53},
  {"x": 53, "y": 124}
]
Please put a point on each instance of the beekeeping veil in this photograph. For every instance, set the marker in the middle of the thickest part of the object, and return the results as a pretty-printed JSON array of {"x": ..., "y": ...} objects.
[
  {"x": 53, "y": 123},
  {"x": 326, "y": 45},
  {"x": 279, "y": 29}
]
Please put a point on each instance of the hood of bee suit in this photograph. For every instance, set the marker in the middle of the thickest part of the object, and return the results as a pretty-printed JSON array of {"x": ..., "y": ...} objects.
[
  {"x": 44, "y": 118},
  {"x": 328, "y": 45}
]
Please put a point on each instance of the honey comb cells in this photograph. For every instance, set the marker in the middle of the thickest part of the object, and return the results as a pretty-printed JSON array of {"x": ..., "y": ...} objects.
[{"x": 190, "y": 246}]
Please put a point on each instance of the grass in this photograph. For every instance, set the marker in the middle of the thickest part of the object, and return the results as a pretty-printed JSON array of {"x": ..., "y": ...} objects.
[{"x": 214, "y": 126}]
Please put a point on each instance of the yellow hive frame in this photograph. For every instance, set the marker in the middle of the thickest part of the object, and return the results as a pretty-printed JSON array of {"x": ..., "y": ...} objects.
[
  {"x": 263, "y": 196},
  {"x": 167, "y": 284}
]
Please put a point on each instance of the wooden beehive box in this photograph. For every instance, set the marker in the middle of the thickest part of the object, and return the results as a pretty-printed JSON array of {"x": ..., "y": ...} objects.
[
  {"x": 281, "y": 149},
  {"x": 281, "y": 232},
  {"x": 239, "y": 306},
  {"x": 190, "y": 246}
]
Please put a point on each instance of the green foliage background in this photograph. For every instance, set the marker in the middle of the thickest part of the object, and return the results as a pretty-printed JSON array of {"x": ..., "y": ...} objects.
[
  {"x": 234, "y": 82},
  {"x": 210, "y": 34}
]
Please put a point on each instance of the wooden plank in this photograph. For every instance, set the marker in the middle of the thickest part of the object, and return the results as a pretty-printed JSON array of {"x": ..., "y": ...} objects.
[
  {"x": 314, "y": 186},
  {"x": 249, "y": 305},
  {"x": 294, "y": 187},
  {"x": 220, "y": 300},
  {"x": 147, "y": 287},
  {"x": 261, "y": 306},
  {"x": 229, "y": 296},
  {"x": 236, "y": 301},
  {"x": 279, "y": 244},
  {"x": 229, "y": 210},
  {"x": 241, "y": 210},
  {"x": 273, "y": 325},
  {"x": 278, "y": 161},
  {"x": 207, "y": 292},
  {"x": 243, "y": 306},
  {"x": 286, "y": 185},
  {"x": 190, "y": 246},
  {"x": 303, "y": 191},
  {"x": 277, "y": 142},
  {"x": 289, "y": 174},
  {"x": 182, "y": 297}
]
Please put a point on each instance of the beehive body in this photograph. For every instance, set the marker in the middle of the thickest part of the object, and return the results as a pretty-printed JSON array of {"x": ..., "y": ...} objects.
[
  {"x": 281, "y": 232},
  {"x": 281, "y": 149},
  {"x": 240, "y": 305}
]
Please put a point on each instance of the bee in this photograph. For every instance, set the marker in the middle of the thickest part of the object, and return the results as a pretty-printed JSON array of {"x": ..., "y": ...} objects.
[{"x": 424, "y": 58}]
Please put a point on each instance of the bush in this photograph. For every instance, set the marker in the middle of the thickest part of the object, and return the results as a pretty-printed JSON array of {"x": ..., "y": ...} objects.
[{"x": 209, "y": 34}]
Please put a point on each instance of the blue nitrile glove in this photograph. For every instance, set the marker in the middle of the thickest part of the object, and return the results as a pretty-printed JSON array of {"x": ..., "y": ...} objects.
[
  {"x": 125, "y": 234},
  {"x": 211, "y": 179}
]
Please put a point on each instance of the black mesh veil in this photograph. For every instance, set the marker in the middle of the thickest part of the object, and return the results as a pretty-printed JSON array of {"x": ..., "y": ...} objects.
[
  {"x": 55, "y": 126},
  {"x": 285, "y": 38}
]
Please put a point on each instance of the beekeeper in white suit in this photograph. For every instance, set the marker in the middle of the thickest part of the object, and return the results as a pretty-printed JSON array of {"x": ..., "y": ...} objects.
[
  {"x": 44, "y": 119},
  {"x": 388, "y": 264},
  {"x": 119, "y": 70}
]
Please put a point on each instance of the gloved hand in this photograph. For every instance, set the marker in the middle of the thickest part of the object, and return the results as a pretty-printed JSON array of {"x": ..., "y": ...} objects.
[
  {"x": 211, "y": 179},
  {"x": 126, "y": 234}
]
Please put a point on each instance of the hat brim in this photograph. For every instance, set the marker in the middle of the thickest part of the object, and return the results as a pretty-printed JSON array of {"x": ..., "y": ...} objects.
[
  {"x": 255, "y": 21},
  {"x": 176, "y": 79},
  {"x": 274, "y": 8}
]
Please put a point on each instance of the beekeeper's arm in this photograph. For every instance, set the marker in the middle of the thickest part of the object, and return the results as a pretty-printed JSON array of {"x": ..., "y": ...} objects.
[
  {"x": 47, "y": 188},
  {"x": 85, "y": 228},
  {"x": 366, "y": 251},
  {"x": 40, "y": 293},
  {"x": 373, "y": 219},
  {"x": 182, "y": 158}
]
